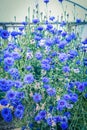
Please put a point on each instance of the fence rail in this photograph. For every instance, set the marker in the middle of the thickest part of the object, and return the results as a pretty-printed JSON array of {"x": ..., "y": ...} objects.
[{"x": 6, "y": 25}]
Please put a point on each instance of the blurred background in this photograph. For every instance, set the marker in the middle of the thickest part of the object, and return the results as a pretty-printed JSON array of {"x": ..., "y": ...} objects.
[{"x": 19, "y": 8}]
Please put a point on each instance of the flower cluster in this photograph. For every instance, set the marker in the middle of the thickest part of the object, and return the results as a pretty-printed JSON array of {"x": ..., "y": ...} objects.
[{"x": 43, "y": 75}]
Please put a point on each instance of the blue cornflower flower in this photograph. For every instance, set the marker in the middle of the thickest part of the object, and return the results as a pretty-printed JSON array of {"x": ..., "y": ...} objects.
[
  {"x": 37, "y": 38},
  {"x": 37, "y": 97},
  {"x": 21, "y": 28},
  {"x": 45, "y": 64},
  {"x": 29, "y": 79},
  {"x": 78, "y": 62},
  {"x": 9, "y": 61},
  {"x": 66, "y": 69},
  {"x": 56, "y": 119},
  {"x": 35, "y": 21},
  {"x": 85, "y": 61},
  {"x": 59, "y": 32},
  {"x": 49, "y": 42},
  {"x": 45, "y": 79},
  {"x": 66, "y": 96},
  {"x": 61, "y": 104},
  {"x": 10, "y": 83},
  {"x": 49, "y": 26},
  {"x": 6, "y": 114},
  {"x": 4, "y": 34},
  {"x": 19, "y": 113},
  {"x": 18, "y": 84},
  {"x": 49, "y": 121},
  {"x": 81, "y": 87},
  {"x": 46, "y": 1},
  {"x": 46, "y": 86},
  {"x": 67, "y": 114},
  {"x": 56, "y": 40},
  {"x": 38, "y": 118},
  {"x": 14, "y": 33},
  {"x": 28, "y": 68},
  {"x": 60, "y": 1},
  {"x": 73, "y": 97},
  {"x": 14, "y": 102},
  {"x": 53, "y": 54},
  {"x": 64, "y": 125},
  {"x": 64, "y": 34},
  {"x": 40, "y": 28},
  {"x": 11, "y": 46},
  {"x": 72, "y": 54},
  {"x": 62, "y": 44},
  {"x": 4, "y": 85},
  {"x": 24, "y": 23},
  {"x": 7, "y": 54},
  {"x": 51, "y": 91},
  {"x": 50, "y": 108},
  {"x": 52, "y": 18},
  {"x": 20, "y": 95},
  {"x": 42, "y": 113},
  {"x": 16, "y": 55},
  {"x": 11, "y": 95},
  {"x": 63, "y": 23},
  {"x": 85, "y": 83},
  {"x": 31, "y": 125},
  {"x": 84, "y": 42},
  {"x": 8, "y": 118},
  {"x": 68, "y": 38},
  {"x": 78, "y": 20},
  {"x": 14, "y": 73},
  {"x": 45, "y": 67},
  {"x": 20, "y": 107},
  {"x": 73, "y": 36},
  {"x": 4, "y": 102},
  {"x": 63, "y": 57},
  {"x": 38, "y": 55},
  {"x": 23, "y": 128}
]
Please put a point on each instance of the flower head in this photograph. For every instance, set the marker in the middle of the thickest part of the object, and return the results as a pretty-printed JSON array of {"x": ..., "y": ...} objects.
[
  {"x": 51, "y": 91},
  {"x": 11, "y": 95},
  {"x": 38, "y": 118},
  {"x": 73, "y": 97},
  {"x": 18, "y": 84},
  {"x": 9, "y": 61},
  {"x": 4, "y": 85},
  {"x": 16, "y": 55},
  {"x": 45, "y": 79},
  {"x": 42, "y": 113},
  {"x": 37, "y": 97},
  {"x": 60, "y": 1},
  {"x": 63, "y": 57},
  {"x": 81, "y": 87},
  {"x": 6, "y": 114},
  {"x": 35, "y": 21},
  {"x": 61, "y": 104},
  {"x": 4, "y": 102},
  {"x": 14, "y": 72},
  {"x": 46, "y": 1},
  {"x": 38, "y": 55},
  {"x": 66, "y": 69},
  {"x": 29, "y": 79},
  {"x": 4, "y": 34},
  {"x": 19, "y": 113}
]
